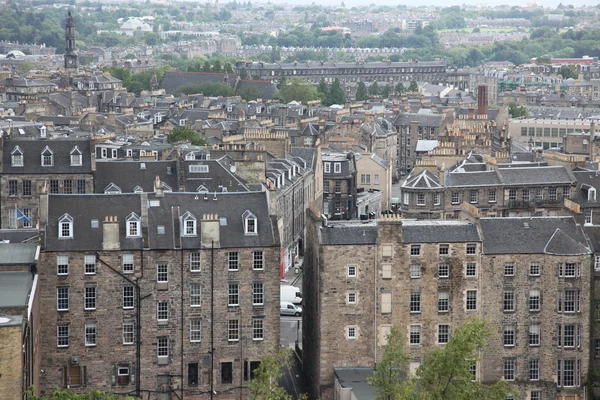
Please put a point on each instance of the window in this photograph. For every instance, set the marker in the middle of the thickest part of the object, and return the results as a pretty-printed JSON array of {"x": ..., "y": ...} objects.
[
  {"x": 473, "y": 196},
  {"x": 27, "y": 214},
  {"x": 258, "y": 260},
  {"x": 338, "y": 187},
  {"x": 162, "y": 311},
  {"x": 62, "y": 336},
  {"x": 352, "y": 271},
  {"x": 258, "y": 294},
  {"x": 406, "y": 199},
  {"x": 198, "y": 169},
  {"x": 539, "y": 194},
  {"x": 552, "y": 194},
  {"x": 327, "y": 167},
  {"x": 571, "y": 303},
  {"x": 512, "y": 194},
  {"x": 54, "y": 186},
  {"x": 473, "y": 371},
  {"x": 443, "y": 334},
  {"x": 16, "y": 157},
  {"x": 62, "y": 265},
  {"x": 123, "y": 375},
  {"x": 509, "y": 336},
  {"x": 193, "y": 374},
  {"x": 258, "y": 329},
  {"x": 233, "y": 330},
  {"x": 90, "y": 334},
  {"x": 128, "y": 263},
  {"x": 567, "y": 192},
  {"x": 566, "y": 373},
  {"x": 534, "y": 300},
  {"x": 597, "y": 263},
  {"x": 415, "y": 250},
  {"x": 13, "y": 187},
  {"x": 26, "y": 187},
  {"x": 415, "y": 271},
  {"x": 443, "y": 302},
  {"x": 568, "y": 339},
  {"x": 535, "y": 395},
  {"x": 420, "y": 199},
  {"x": 471, "y": 269},
  {"x": 509, "y": 301},
  {"x": 80, "y": 186},
  {"x": 68, "y": 186},
  {"x": 162, "y": 347},
  {"x": 162, "y": 272},
  {"x": 415, "y": 302},
  {"x": 195, "y": 261},
  {"x": 534, "y": 334},
  {"x": 509, "y": 369},
  {"x": 47, "y": 157},
  {"x": 471, "y": 249},
  {"x": 90, "y": 298},
  {"x": 351, "y": 298},
  {"x": 62, "y": 299},
  {"x": 337, "y": 168},
  {"x": 128, "y": 296},
  {"x": 226, "y": 373},
  {"x": 351, "y": 332},
  {"x": 233, "y": 295},
  {"x": 76, "y": 159},
  {"x": 376, "y": 179},
  {"x": 443, "y": 270},
  {"x": 133, "y": 223},
  {"x": 444, "y": 249},
  {"x": 65, "y": 227},
  {"x": 415, "y": 335},
  {"x": 195, "y": 330},
  {"x": 534, "y": 269},
  {"x": 509, "y": 269},
  {"x": 570, "y": 269},
  {"x": 365, "y": 179},
  {"x": 455, "y": 197},
  {"x": 195, "y": 295},
  {"x": 471, "y": 300},
  {"x": 128, "y": 332},
  {"x": 188, "y": 224},
  {"x": 233, "y": 260},
  {"x": 90, "y": 264},
  {"x": 437, "y": 199},
  {"x": 588, "y": 217},
  {"x": 492, "y": 196}
]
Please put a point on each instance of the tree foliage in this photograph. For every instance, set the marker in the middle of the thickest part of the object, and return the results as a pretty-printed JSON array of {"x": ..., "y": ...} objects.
[
  {"x": 183, "y": 134},
  {"x": 135, "y": 83},
  {"x": 516, "y": 111},
  {"x": 265, "y": 384},
  {"x": 361, "y": 91},
  {"x": 249, "y": 93},
  {"x": 374, "y": 89},
  {"x": 299, "y": 90},
  {"x": 211, "y": 89},
  {"x": 59, "y": 395},
  {"x": 444, "y": 373},
  {"x": 336, "y": 94},
  {"x": 413, "y": 87}
]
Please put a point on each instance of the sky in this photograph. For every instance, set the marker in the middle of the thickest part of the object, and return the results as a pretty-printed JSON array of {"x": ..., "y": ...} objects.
[{"x": 441, "y": 3}]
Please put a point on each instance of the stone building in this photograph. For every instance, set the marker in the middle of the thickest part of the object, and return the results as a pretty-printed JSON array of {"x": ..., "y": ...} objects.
[
  {"x": 161, "y": 295},
  {"x": 530, "y": 277},
  {"x": 339, "y": 185},
  {"x": 375, "y": 173},
  {"x": 411, "y": 128}
]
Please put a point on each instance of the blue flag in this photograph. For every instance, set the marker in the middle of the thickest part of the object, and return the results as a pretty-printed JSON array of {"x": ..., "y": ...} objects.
[{"x": 22, "y": 217}]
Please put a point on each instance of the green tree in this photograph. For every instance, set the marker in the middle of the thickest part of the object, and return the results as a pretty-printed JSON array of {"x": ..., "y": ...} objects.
[
  {"x": 567, "y": 72},
  {"x": 282, "y": 82},
  {"x": 183, "y": 134},
  {"x": 413, "y": 87},
  {"x": 249, "y": 93},
  {"x": 59, "y": 395},
  {"x": 207, "y": 89},
  {"x": 385, "y": 93},
  {"x": 444, "y": 373},
  {"x": 265, "y": 384},
  {"x": 206, "y": 66},
  {"x": 374, "y": 89},
  {"x": 400, "y": 89},
  {"x": 322, "y": 88},
  {"x": 516, "y": 111},
  {"x": 217, "y": 66},
  {"x": 361, "y": 91},
  {"x": 227, "y": 68},
  {"x": 336, "y": 94},
  {"x": 243, "y": 73},
  {"x": 298, "y": 90}
]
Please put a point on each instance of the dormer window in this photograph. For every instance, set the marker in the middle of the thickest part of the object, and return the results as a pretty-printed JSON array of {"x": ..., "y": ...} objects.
[
  {"x": 65, "y": 227},
  {"x": 129, "y": 153},
  {"x": 103, "y": 152},
  {"x": 16, "y": 157},
  {"x": 166, "y": 188},
  {"x": 591, "y": 194},
  {"x": 47, "y": 157},
  {"x": 190, "y": 156},
  {"x": 188, "y": 224},
  {"x": 76, "y": 159},
  {"x": 202, "y": 189},
  {"x": 112, "y": 189},
  {"x": 250, "y": 223},
  {"x": 133, "y": 225},
  {"x": 138, "y": 189},
  {"x": 114, "y": 153}
]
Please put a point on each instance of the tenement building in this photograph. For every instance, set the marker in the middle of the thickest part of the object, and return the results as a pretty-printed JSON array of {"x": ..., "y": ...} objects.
[
  {"x": 161, "y": 295},
  {"x": 529, "y": 277}
]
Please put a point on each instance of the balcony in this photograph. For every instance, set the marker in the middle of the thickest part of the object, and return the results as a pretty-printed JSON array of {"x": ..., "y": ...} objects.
[{"x": 535, "y": 203}]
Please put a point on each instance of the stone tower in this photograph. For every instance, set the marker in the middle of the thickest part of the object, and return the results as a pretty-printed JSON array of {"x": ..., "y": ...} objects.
[{"x": 70, "y": 51}]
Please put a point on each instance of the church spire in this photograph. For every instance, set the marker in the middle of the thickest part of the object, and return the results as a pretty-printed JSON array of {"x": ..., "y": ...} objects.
[{"x": 70, "y": 50}]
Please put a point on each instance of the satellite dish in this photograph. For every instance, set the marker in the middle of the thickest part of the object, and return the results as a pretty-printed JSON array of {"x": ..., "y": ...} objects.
[{"x": 233, "y": 168}]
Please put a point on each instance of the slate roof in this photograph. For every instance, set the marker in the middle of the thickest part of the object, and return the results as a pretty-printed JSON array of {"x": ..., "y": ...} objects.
[
  {"x": 173, "y": 80},
  {"x": 486, "y": 178},
  {"x": 15, "y": 288},
  {"x": 18, "y": 253},
  {"x": 535, "y": 235},
  {"x": 128, "y": 174},
  {"x": 354, "y": 234},
  {"x": 439, "y": 231},
  {"x": 84, "y": 208},
  {"x": 308, "y": 154},
  {"x": 536, "y": 176},
  {"x": 19, "y": 235},
  {"x": 424, "y": 180},
  {"x": 586, "y": 179},
  {"x": 404, "y": 119},
  {"x": 219, "y": 175},
  {"x": 32, "y": 150}
]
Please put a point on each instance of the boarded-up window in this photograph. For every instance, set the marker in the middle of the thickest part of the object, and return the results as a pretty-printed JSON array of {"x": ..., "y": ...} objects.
[
  {"x": 413, "y": 366},
  {"x": 384, "y": 331},
  {"x": 386, "y": 271},
  {"x": 386, "y": 303},
  {"x": 386, "y": 250}
]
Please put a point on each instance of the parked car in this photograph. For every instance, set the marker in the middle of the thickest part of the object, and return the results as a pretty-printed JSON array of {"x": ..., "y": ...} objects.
[{"x": 288, "y": 308}]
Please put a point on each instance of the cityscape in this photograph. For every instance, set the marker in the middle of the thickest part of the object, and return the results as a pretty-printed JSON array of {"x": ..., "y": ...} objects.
[{"x": 415, "y": 186}]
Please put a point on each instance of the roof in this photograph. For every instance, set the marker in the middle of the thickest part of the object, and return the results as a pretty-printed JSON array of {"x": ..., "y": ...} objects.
[
  {"x": 15, "y": 288},
  {"x": 128, "y": 175},
  {"x": 405, "y": 119},
  {"x": 424, "y": 180},
  {"x": 18, "y": 235},
  {"x": 439, "y": 231},
  {"x": 32, "y": 151},
  {"x": 536, "y": 175},
  {"x": 426, "y": 145},
  {"x": 10, "y": 320},
  {"x": 18, "y": 253},
  {"x": 533, "y": 235},
  {"x": 356, "y": 379},
  {"x": 349, "y": 234},
  {"x": 456, "y": 179}
]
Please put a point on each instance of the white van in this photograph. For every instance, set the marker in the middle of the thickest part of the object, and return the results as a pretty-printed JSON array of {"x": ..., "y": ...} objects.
[
  {"x": 291, "y": 294},
  {"x": 288, "y": 308}
]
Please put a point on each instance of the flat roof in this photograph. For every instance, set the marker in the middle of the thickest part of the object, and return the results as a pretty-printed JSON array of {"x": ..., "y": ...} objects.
[
  {"x": 15, "y": 288},
  {"x": 356, "y": 379}
]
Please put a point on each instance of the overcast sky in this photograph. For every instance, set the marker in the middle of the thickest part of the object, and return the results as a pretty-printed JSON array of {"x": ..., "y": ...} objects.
[{"x": 352, "y": 3}]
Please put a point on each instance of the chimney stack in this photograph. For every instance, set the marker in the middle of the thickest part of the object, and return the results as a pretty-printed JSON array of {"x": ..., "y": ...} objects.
[
  {"x": 158, "y": 187},
  {"x": 210, "y": 230},
  {"x": 482, "y": 101},
  {"x": 110, "y": 233},
  {"x": 592, "y": 141}
]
